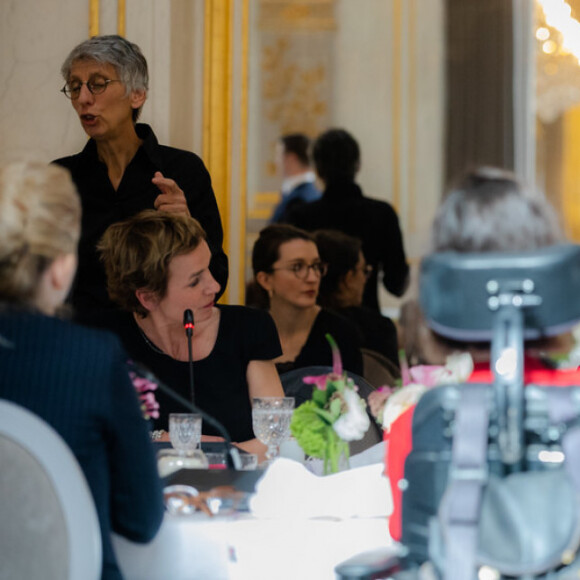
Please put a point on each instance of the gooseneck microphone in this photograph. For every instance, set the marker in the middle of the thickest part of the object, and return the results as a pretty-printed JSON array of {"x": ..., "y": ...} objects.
[
  {"x": 189, "y": 326},
  {"x": 233, "y": 460}
]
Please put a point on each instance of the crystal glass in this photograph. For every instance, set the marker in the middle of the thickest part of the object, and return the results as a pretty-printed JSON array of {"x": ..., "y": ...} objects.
[
  {"x": 271, "y": 421},
  {"x": 185, "y": 431}
]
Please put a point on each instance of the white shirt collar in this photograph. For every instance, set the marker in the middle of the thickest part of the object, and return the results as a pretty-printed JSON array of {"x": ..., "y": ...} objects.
[{"x": 295, "y": 180}]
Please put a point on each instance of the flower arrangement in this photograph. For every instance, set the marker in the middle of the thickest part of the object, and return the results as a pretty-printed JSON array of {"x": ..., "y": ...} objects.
[
  {"x": 145, "y": 388},
  {"x": 334, "y": 415},
  {"x": 388, "y": 403}
]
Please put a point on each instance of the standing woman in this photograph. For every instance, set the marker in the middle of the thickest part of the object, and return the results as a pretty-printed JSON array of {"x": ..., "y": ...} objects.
[
  {"x": 288, "y": 268},
  {"x": 123, "y": 169},
  {"x": 74, "y": 378}
]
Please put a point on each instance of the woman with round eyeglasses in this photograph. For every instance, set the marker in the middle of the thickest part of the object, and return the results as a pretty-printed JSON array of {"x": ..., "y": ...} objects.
[
  {"x": 342, "y": 289},
  {"x": 288, "y": 270},
  {"x": 123, "y": 169}
]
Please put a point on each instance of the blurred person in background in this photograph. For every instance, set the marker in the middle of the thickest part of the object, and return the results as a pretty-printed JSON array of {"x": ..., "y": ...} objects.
[
  {"x": 343, "y": 207},
  {"x": 342, "y": 289},
  {"x": 298, "y": 185}
]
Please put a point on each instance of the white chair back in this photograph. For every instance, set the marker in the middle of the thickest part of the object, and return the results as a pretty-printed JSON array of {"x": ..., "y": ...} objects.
[{"x": 50, "y": 529}]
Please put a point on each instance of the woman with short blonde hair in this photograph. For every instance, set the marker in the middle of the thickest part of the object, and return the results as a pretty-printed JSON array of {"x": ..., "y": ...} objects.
[
  {"x": 39, "y": 223},
  {"x": 157, "y": 264}
]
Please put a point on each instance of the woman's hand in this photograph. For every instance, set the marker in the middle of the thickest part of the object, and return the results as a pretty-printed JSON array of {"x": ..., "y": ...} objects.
[
  {"x": 211, "y": 439},
  {"x": 171, "y": 199}
]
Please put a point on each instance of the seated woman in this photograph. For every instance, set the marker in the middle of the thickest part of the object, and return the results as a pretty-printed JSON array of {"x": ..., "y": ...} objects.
[
  {"x": 488, "y": 211},
  {"x": 288, "y": 269},
  {"x": 157, "y": 267},
  {"x": 342, "y": 288},
  {"x": 67, "y": 374}
]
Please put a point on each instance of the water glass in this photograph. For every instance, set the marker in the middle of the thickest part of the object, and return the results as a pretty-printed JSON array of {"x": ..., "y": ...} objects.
[
  {"x": 185, "y": 431},
  {"x": 271, "y": 421}
]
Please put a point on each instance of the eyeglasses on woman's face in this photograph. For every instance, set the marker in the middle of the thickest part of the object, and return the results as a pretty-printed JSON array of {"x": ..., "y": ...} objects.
[
  {"x": 96, "y": 85},
  {"x": 301, "y": 269},
  {"x": 367, "y": 270}
]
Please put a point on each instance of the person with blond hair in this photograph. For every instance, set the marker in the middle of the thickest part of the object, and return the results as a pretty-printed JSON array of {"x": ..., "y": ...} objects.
[
  {"x": 73, "y": 377},
  {"x": 157, "y": 267}
]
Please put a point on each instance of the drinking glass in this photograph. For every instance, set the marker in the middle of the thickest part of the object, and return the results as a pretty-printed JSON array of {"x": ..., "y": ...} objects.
[
  {"x": 185, "y": 432},
  {"x": 271, "y": 421}
]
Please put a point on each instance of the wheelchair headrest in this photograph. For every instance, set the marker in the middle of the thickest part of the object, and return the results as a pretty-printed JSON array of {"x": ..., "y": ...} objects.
[{"x": 459, "y": 293}]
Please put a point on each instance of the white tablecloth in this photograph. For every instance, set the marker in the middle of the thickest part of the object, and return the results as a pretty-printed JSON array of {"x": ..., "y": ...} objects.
[
  {"x": 300, "y": 528},
  {"x": 242, "y": 547}
]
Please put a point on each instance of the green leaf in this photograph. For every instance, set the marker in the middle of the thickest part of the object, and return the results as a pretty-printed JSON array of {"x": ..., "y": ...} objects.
[{"x": 310, "y": 429}]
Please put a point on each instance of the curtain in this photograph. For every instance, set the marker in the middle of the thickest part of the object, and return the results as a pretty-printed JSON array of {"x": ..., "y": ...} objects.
[{"x": 479, "y": 99}]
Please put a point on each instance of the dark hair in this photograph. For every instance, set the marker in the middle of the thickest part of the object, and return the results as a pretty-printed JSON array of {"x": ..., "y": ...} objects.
[
  {"x": 266, "y": 251},
  {"x": 266, "y": 248},
  {"x": 299, "y": 144},
  {"x": 341, "y": 252},
  {"x": 490, "y": 210},
  {"x": 336, "y": 156}
]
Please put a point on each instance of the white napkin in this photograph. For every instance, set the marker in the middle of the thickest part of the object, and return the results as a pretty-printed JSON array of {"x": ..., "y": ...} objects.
[{"x": 289, "y": 490}]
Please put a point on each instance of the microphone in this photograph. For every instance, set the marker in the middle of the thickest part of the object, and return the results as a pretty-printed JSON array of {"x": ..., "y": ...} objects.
[
  {"x": 189, "y": 326},
  {"x": 233, "y": 460}
]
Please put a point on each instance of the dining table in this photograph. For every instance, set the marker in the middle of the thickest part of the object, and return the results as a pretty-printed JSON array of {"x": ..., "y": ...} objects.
[
  {"x": 295, "y": 525},
  {"x": 242, "y": 547}
]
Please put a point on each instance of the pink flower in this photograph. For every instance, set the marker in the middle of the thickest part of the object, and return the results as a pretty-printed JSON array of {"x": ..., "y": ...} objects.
[
  {"x": 144, "y": 388},
  {"x": 336, "y": 360},
  {"x": 149, "y": 405},
  {"x": 141, "y": 384},
  {"x": 321, "y": 380}
]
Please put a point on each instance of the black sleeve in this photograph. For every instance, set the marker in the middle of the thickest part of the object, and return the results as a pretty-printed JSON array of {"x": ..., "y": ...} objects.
[
  {"x": 346, "y": 336},
  {"x": 136, "y": 495},
  {"x": 392, "y": 255},
  {"x": 263, "y": 342}
]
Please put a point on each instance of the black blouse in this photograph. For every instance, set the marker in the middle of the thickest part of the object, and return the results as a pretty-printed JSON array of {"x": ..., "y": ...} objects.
[
  {"x": 221, "y": 388},
  {"x": 316, "y": 350}
]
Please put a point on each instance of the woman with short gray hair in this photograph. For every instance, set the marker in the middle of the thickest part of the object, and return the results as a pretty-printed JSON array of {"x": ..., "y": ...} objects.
[{"x": 123, "y": 169}]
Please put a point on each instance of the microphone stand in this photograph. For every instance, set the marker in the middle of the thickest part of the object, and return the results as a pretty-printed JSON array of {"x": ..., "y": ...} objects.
[{"x": 189, "y": 326}]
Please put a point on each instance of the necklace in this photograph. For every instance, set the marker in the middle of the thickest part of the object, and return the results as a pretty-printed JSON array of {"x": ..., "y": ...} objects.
[{"x": 152, "y": 346}]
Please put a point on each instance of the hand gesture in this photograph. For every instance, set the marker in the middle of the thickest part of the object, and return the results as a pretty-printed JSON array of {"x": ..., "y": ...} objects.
[{"x": 171, "y": 199}]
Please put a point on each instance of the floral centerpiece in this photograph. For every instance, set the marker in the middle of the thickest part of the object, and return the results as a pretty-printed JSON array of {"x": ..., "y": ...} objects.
[
  {"x": 334, "y": 415},
  {"x": 388, "y": 403}
]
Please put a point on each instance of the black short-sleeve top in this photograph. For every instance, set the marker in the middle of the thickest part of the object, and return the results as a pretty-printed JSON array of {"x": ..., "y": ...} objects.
[{"x": 221, "y": 388}]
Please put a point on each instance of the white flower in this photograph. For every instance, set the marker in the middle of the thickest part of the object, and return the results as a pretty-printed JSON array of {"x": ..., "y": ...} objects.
[
  {"x": 458, "y": 368},
  {"x": 352, "y": 425},
  {"x": 400, "y": 401}
]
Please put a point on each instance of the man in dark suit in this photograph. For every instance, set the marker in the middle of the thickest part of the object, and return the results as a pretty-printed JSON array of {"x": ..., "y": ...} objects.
[
  {"x": 343, "y": 207},
  {"x": 299, "y": 185}
]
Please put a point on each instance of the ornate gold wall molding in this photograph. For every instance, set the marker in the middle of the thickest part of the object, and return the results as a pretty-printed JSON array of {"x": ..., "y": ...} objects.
[
  {"x": 93, "y": 17},
  {"x": 217, "y": 104},
  {"x": 94, "y": 20},
  {"x": 297, "y": 14},
  {"x": 225, "y": 123}
]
